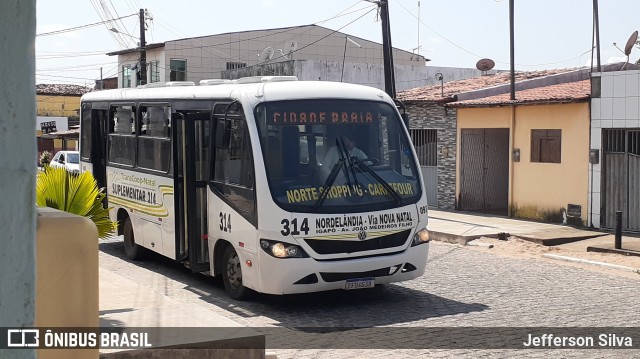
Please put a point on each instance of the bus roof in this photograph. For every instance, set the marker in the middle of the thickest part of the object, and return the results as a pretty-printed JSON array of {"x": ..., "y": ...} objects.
[{"x": 255, "y": 91}]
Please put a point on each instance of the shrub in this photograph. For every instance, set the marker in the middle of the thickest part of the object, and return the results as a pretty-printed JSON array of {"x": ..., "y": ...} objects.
[
  {"x": 45, "y": 158},
  {"x": 77, "y": 194}
]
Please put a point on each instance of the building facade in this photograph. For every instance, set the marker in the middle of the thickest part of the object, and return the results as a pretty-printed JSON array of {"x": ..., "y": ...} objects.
[
  {"x": 614, "y": 178},
  {"x": 310, "y": 52},
  {"x": 526, "y": 158},
  {"x": 59, "y": 100},
  {"x": 433, "y": 126},
  {"x": 58, "y": 110}
]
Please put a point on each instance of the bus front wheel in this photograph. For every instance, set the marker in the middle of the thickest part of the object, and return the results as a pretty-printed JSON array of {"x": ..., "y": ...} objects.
[
  {"x": 232, "y": 275},
  {"x": 132, "y": 250}
]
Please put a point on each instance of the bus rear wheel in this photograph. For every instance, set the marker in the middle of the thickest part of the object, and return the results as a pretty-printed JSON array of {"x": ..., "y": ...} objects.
[
  {"x": 232, "y": 275},
  {"x": 132, "y": 250}
]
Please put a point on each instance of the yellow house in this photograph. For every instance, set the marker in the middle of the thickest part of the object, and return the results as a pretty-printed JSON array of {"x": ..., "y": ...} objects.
[
  {"x": 59, "y": 100},
  {"x": 528, "y": 157}
]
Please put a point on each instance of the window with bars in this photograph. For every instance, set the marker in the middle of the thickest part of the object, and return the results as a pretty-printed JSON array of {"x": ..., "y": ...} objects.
[
  {"x": 546, "y": 146},
  {"x": 235, "y": 65},
  {"x": 621, "y": 141},
  {"x": 426, "y": 144}
]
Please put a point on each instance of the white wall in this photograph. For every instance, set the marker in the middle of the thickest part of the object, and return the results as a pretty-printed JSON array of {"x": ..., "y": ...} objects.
[
  {"x": 617, "y": 107},
  {"x": 17, "y": 172}
]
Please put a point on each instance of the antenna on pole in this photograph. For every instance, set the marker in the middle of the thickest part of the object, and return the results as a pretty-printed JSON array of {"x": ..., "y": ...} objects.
[
  {"x": 418, "y": 48},
  {"x": 344, "y": 55},
  {"x": 485, "y": 65},
  {"x": 629, "y": 46}
]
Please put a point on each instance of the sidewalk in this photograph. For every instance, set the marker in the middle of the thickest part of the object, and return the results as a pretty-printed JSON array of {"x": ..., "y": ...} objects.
[
  {"x": 178, "y": 329},
  {"x": 463, "y": 227}
]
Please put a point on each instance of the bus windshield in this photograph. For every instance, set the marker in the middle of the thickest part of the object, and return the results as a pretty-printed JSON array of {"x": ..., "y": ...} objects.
[{"x": 336, "y": 155}]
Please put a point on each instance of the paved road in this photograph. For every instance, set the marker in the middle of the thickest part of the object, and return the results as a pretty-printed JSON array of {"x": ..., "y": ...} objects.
[{"x": 462, "y": 287}]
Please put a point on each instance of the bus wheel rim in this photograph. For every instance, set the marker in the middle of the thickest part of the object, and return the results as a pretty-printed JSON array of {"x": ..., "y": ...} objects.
[{"x": 234, "y": 273}]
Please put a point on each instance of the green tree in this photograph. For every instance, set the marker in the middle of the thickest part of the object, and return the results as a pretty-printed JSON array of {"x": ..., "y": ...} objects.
[{"x": 77, "y": 194}]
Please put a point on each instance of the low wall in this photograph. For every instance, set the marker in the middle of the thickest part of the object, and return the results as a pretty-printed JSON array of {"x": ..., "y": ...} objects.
[{"x": 66, "y": 276}]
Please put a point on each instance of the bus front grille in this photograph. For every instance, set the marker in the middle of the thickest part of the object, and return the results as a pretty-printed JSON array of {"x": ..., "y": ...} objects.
[{"x": 322, "y": 246}]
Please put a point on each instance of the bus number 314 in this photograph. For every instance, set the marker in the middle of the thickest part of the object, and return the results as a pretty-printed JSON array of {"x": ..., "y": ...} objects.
[
  {"x": 292, "y": 228},
  {"x": 225, "y": 222}
]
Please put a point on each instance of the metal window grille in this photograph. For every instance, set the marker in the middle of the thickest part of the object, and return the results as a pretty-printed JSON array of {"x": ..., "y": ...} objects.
[
  {"x": 235, "y": 65},
  {"x": 614, "y": 140},
  {"x": 426, "y": 145}
]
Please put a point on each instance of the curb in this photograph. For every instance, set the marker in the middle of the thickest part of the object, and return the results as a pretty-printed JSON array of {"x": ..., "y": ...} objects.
[
  {"x": 457, "y": 239},
  {"x": 585, "y": 261},
  {"x": 613, "y": 250},
  {"x": 556, "y": 241}
]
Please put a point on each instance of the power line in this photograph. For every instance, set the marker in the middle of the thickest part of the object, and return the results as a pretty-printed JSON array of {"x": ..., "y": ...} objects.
[
  {"x": 63, "y": 56},
  {"x": 206, "y": 48},
  {"x": 478, "y": 56},
  {"x": 77, "y": 27}
]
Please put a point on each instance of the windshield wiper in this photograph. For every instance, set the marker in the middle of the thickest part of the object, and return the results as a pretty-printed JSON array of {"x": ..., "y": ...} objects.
[
  {"x": 332, "y": 177},
  {"x": 380, "y": 180},
  {"x": 351, "y": 166}
]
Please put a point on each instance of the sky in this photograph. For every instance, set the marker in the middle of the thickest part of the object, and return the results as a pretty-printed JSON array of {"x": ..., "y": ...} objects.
[{"x": 451, "y": 33}]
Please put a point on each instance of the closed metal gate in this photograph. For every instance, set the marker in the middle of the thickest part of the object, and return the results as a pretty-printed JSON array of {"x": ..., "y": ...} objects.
[
  {"x": 484, "y": 170},
  {"x": 426, "y": 145},
  {"x": 621, "y": 185}
]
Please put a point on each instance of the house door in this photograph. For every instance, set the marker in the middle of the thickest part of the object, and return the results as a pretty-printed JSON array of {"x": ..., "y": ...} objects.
[
  {"x": 621, "y": 184},
  {"x": 484, "y": 170}
]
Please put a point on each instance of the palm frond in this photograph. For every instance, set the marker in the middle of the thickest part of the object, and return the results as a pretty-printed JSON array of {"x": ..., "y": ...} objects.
[{"x": 77, "y": 194}]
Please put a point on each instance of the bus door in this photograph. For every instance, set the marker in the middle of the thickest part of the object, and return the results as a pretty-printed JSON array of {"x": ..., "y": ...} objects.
[
  {"x": 99, "y": 129},
  {"x": 191, "y": 176}
]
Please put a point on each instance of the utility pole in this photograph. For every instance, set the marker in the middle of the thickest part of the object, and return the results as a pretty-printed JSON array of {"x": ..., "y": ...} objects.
[
  {"x": 143, "y": 51},
  {"x": 387, "y": 49},
  {"x": 511, "y": 52},
  {"x": 596, "y": 23}
]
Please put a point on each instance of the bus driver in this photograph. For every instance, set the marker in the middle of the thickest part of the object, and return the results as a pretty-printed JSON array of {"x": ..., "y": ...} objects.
[{"x": 333, "y": 155}]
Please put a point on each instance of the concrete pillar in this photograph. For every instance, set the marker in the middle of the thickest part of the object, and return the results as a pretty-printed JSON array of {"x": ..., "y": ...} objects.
[{"x": 17, "y": 168}]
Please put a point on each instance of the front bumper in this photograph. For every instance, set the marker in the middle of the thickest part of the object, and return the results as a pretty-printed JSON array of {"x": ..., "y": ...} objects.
[{"x": 302, "y": 275}]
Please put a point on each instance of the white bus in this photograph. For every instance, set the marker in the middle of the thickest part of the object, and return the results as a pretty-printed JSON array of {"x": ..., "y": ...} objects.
[{"x": 256, "y": 180}]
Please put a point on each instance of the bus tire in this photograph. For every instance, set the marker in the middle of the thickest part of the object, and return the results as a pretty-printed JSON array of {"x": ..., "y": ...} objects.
[
  {"x": 132, "y": 250},
  {"x": 232, "y": 275}
]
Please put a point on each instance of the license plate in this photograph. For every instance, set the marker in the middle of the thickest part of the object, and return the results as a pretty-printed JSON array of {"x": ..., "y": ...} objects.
[{"x": 359, "y": 283}]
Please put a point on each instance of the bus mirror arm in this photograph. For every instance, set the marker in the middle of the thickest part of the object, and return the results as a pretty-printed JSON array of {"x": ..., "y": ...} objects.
[
  {"x": 403, "y": 112},
  {"x": 405, "y": 119},
  {"x": 223, "y": 133}
]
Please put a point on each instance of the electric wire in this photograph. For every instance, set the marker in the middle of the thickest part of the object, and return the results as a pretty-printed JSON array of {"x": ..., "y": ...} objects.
[
  {"x": 76, "y": 28},
  {"x": 478, "y": 56}
]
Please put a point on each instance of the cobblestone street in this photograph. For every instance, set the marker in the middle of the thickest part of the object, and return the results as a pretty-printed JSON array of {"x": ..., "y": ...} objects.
[{"x": 462, "y": 287}]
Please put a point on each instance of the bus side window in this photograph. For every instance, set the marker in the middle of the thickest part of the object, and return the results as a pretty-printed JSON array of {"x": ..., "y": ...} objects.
[
  {"x": 121, "y": 148},
  {"x": 233, "y": 168},
  {"x": 154, "y": 142}
]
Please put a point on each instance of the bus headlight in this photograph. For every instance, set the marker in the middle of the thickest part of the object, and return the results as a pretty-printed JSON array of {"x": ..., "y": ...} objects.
[
  {"x": 282, "y": 250},
  {"x": 421, "y": 237}
]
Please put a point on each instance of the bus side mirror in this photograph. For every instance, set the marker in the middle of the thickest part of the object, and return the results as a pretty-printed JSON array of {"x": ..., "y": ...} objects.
[{"x": 223, "y": 133}]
